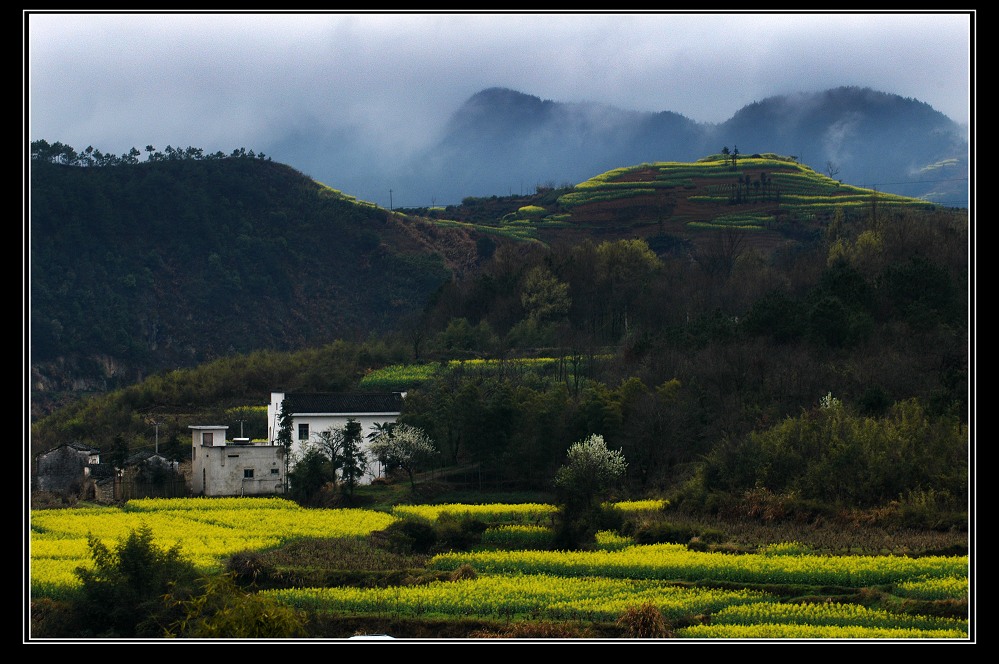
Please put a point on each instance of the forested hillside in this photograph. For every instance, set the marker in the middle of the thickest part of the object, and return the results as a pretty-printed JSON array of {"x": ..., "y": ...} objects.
[
  {"x": 142, "y": 267},
  {"x": 827, "y": 366}
]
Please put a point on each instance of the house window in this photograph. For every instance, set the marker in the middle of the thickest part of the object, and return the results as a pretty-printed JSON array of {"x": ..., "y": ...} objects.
[
  {"x": 274, "y": 471},
  {"x": 247, "y": 473},
  {"x": 206, "y": 438},
  {"x": 303, "y": 431}
]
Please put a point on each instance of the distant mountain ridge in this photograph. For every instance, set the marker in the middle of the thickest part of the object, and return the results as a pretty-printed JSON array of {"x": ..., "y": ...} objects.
[{"x": 503, "y": 142}]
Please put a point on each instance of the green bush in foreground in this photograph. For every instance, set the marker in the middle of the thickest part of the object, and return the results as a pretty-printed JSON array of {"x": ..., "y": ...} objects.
[
  {"x": 121, "y": 595},
  {"x": 223, "y": 610}
]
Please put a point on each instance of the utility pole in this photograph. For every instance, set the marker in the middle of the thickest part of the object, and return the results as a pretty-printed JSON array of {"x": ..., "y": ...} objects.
[
  {"x": 240, "y": 427},
  {"x": 157, "y": 425},
  {"x": 390, "y": 200}
]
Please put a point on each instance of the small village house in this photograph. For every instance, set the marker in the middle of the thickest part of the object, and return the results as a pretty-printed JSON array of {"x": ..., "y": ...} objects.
[
  {"x": 312, "y": 413},
  {"x": 75, "y": 470},
  {"x": 239, "y": 467},
  {"x": 66, "y": 469}
]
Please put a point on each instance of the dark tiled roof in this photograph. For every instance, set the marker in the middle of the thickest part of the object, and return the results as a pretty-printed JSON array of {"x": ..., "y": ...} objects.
[
  {"x": 145, "y": 455},
  {"x": 344, "y": 402},
  {"x": 76, "y": 447}
]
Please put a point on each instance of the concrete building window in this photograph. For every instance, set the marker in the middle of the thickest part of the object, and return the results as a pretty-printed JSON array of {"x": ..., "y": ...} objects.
[
  {"x": 206, "y": 438},
  {"x": 275, "y": 471},
  {"x": 247, "y": 473},
  {"x": 303, "y": 431}
]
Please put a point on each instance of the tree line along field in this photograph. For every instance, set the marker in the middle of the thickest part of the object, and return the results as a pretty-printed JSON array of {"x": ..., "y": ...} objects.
[{"x": 490, "y": 571}]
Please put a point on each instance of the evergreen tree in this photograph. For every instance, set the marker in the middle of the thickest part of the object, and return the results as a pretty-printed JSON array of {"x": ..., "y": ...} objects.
[
  {"x": 119, "y": 453},
  {"x": 341, "y": 446},
  {"x": 353, "y": 461},
  {"x": 284, "y": 438}
]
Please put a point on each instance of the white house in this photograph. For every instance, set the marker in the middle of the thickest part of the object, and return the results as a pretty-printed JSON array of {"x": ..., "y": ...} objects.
[
  {"x": 313, "y": 413},
  {"x": 234, "y": 468}
]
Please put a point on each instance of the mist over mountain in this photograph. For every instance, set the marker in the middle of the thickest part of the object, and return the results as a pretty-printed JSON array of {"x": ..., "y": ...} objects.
[
  {"x": 502, "y": 142},
  {"x": 877, "y": 140}
]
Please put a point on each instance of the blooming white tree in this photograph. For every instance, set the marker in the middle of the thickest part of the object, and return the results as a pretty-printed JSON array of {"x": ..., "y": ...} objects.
[
  {"x": 590, "y": 469},
  {"x": 404, "y": 446}
]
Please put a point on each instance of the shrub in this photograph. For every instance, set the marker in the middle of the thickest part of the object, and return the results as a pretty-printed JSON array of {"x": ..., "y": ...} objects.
[
  {"x": 465, "y": 572},
  {"x": 53, "y": 619},
  {"x": 664, "y": 533},
  {"x": 644, "y": 622},
  {"x": 696, "y": 544},
  {"x": 248, "y": 567},
  {"x": 931, "y": 510},
  {"x": 223, "y": 610},
  {"x": 121, "y": 594},
  {"x": 711, "y": 536},
  {"x": 609, "y": 517},
  {"x": 535, "y": 629},
  {"x": 452, "y": 533},
  {"x": 409, "y": 536}
]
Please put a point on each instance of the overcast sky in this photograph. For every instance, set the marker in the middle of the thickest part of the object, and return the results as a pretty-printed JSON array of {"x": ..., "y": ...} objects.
[{"x": 222, "y": 81}]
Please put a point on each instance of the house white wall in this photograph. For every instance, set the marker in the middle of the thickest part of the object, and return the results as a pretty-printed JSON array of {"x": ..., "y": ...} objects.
[
  {"x": 273, "y": 411},
  {"x": 319, "y": 422},
  {"x": 220, "y": 468}
]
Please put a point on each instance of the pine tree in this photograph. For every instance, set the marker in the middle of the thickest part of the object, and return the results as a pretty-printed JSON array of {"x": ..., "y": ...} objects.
[{"x": 284, "y": 438}]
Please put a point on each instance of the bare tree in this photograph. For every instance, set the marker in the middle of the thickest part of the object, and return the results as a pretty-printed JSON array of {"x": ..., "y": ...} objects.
[{"x": 832, "y": 169}]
